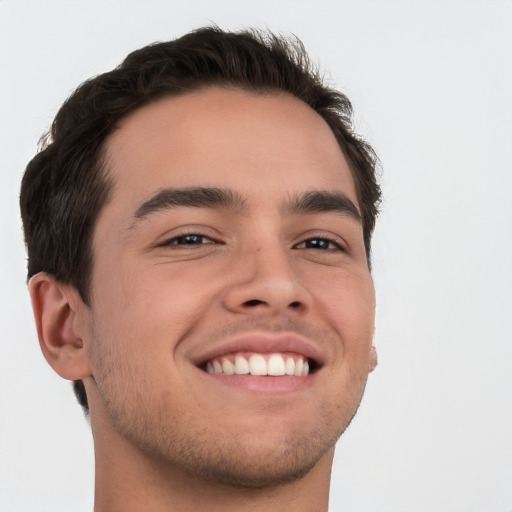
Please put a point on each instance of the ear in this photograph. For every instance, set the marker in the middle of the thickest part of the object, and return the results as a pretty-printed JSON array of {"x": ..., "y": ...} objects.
[
  {"x": 373, "y": 358},
  {"x": 59, "y": 314}
]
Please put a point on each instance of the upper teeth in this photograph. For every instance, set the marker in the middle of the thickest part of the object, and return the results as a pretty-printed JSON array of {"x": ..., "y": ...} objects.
[{"x": 258, "y": 364}]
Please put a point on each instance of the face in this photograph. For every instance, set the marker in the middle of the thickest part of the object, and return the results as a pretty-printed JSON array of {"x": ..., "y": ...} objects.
[{"x": 231, "y": 247}]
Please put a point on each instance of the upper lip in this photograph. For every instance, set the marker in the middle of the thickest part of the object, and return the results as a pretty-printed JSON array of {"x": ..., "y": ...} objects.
[{"x": 264, "y": 343}]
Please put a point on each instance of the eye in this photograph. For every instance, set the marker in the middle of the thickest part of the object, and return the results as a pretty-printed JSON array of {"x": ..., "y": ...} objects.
[
  {"x": 188, "y": 240},
  {"x": 322, "y": 244}
]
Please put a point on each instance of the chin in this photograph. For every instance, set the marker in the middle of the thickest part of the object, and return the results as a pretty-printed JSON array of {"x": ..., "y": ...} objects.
[
  {"x": 261, "y": 462},
  {"x": 263, "y": 468}
]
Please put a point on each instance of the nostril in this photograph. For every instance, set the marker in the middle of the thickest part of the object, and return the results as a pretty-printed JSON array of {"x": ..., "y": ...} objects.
[
  {"x": 295, "y": 305},
  {"x": 254, "y": 302}
]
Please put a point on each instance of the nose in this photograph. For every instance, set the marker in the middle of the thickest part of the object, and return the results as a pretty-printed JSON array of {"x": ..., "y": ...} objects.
[{"x": 266, "y": 282}]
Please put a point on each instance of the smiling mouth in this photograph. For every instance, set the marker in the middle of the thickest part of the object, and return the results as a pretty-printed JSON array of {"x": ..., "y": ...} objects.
[{"x": 259, "y": 364}]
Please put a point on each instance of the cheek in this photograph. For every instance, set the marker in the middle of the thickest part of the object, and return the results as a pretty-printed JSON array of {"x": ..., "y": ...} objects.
[
  {"x": 352, "y": 315},
  {"x": 153, "y": 307},
  {"x": 348, "y": 300}
]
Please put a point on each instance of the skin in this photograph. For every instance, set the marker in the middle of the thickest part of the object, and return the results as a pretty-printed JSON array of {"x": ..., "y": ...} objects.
[{"x": 169, "y": 436}]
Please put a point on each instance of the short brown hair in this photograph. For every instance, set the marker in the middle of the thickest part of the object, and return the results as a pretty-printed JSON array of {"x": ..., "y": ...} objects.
[{"x": 66, "y": 184}]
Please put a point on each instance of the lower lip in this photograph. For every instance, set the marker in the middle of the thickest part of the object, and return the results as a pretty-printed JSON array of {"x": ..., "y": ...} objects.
[{"x": 264, "y": 384}]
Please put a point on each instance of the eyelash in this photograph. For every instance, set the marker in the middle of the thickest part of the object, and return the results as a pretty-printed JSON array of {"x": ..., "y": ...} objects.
[
  {"x": 332, "y": 241},
  {"x": 174, "y": 241}
]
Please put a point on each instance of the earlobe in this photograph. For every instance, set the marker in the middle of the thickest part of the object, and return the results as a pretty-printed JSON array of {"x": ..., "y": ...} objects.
[
  {"x": 56, "y": 310},
  {"x": 373, "y": 358}
]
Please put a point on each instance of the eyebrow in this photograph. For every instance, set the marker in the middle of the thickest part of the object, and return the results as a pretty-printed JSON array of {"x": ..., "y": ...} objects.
[
  {"x": 320, "y": 202},
  {"x": 196, "y": 197},
  {"x": 221, "y": 198}
]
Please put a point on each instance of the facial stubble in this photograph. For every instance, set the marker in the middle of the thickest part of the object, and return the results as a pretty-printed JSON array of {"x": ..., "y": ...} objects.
[{"x": 236, "y": 459}]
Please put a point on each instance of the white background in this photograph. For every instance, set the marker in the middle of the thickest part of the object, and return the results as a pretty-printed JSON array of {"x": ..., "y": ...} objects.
[{"x": 431, "y": 84}]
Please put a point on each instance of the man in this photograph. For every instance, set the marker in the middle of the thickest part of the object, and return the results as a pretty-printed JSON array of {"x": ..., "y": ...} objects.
[{"x": 198, "y": 227}]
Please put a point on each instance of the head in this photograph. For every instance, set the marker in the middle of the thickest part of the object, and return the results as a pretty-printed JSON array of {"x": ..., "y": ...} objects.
[{"x": 71, "y": 185}]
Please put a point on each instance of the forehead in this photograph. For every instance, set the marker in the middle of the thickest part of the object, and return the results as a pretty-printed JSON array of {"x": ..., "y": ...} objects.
[{"x": 260, "y": 145}]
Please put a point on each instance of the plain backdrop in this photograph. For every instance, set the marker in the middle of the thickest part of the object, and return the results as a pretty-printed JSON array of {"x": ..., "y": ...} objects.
[{"x": 431, "y": 84}]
